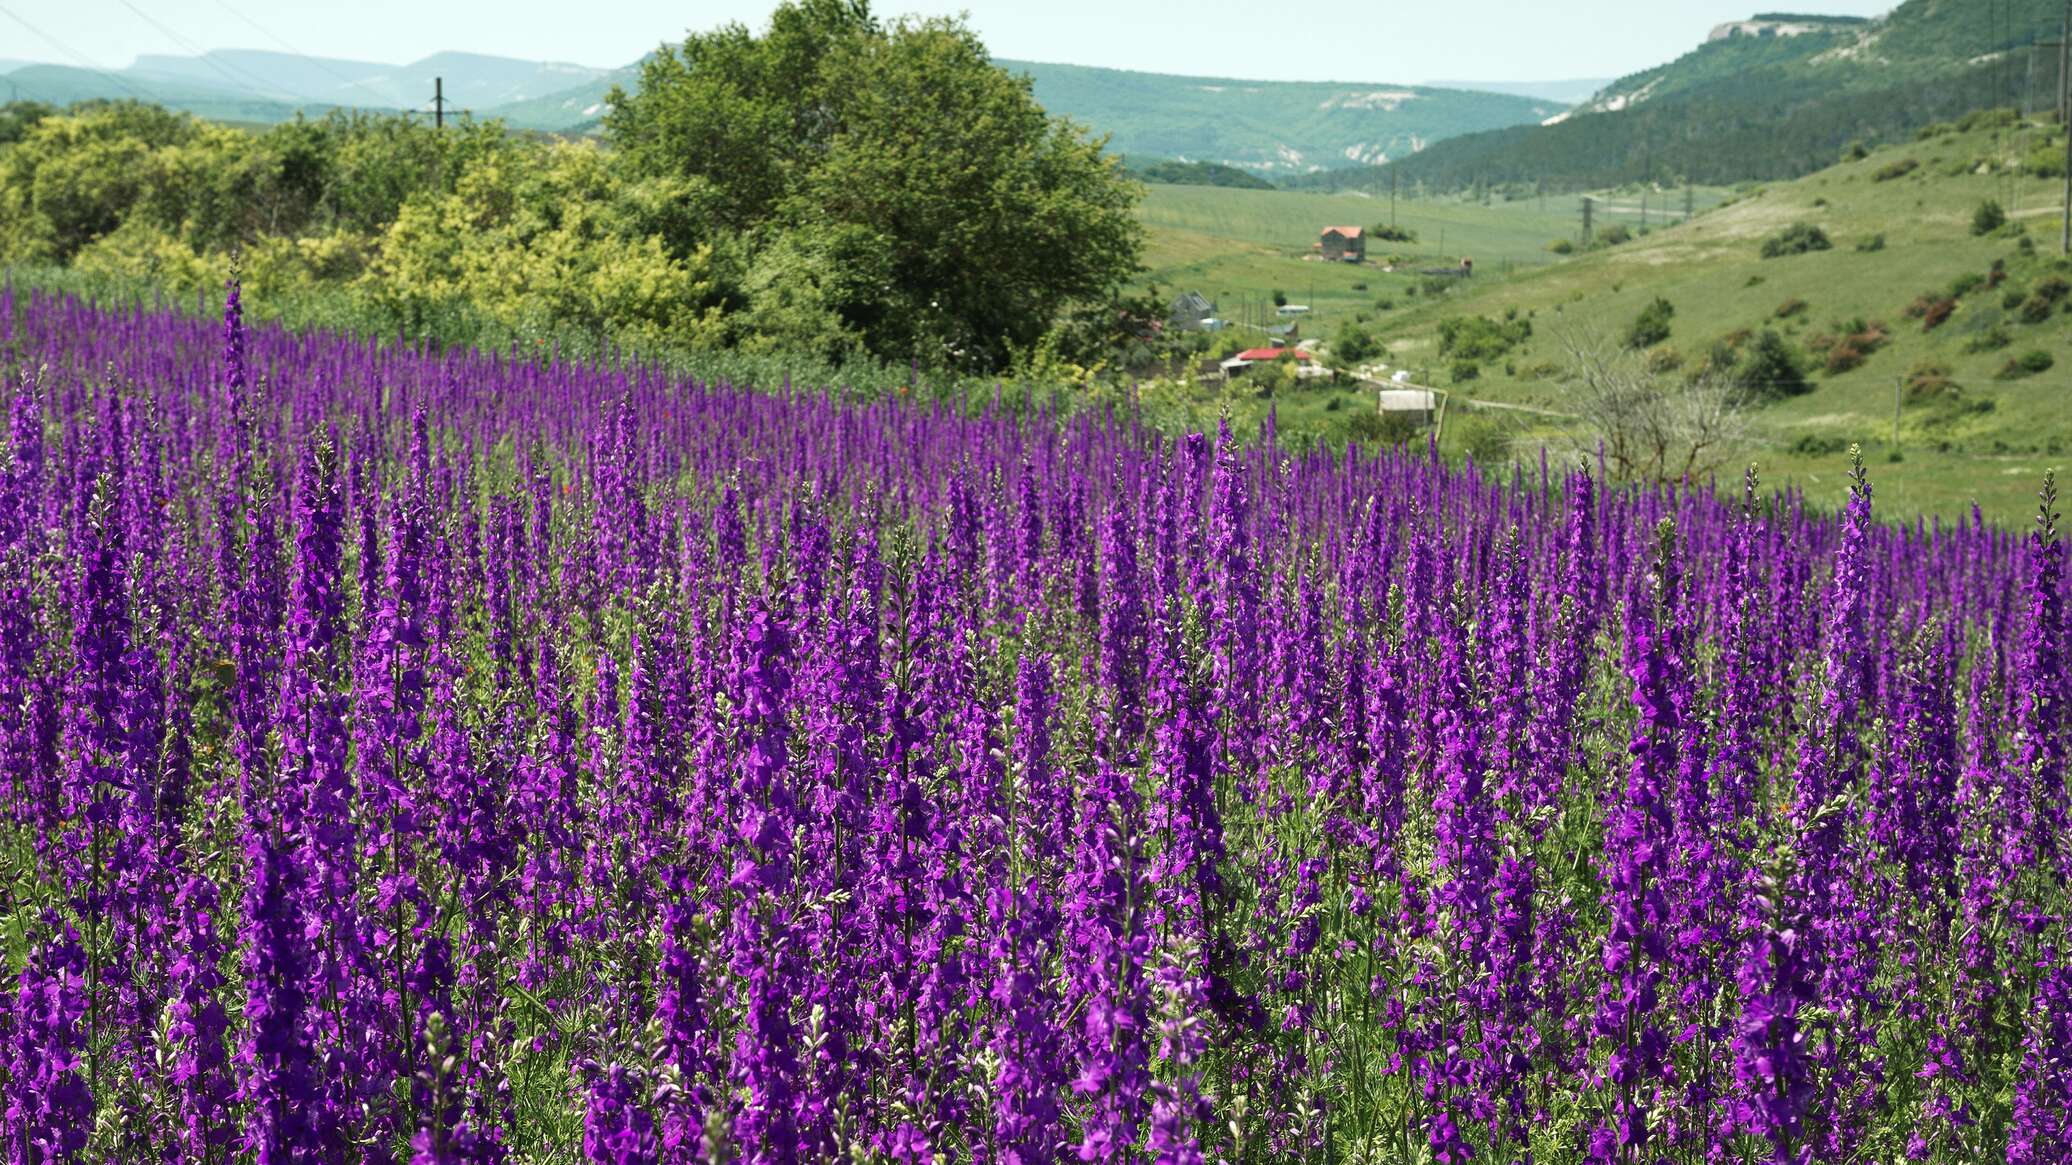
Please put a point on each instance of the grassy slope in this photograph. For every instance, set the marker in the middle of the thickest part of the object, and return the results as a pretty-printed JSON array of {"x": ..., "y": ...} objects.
[
  {"x": 1711, "y": 270},
  {"x": 1238, "y": 246}
]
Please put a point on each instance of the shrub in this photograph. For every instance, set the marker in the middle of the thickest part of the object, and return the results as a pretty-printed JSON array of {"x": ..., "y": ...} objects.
[
  {"x": 1359, "y": 287},
  {"x": 1871, "y": 245},
  {"x": 2027, "y": 364},
  {"x": 1991, "y": 340},
  {"x": 1773, "y": 368},
  {"x": 1929, "y": 379},
  {"x": 1651, "y": 327},
  {"x": 1615, "y": 235},
  {"x": 1797, "y": 239},
  {"x": 1899, "y": 169},
  {"x": 1280, "y": 298},
  {"x": 1965, "y": 285},
  {"x": 1819, "y": 445},
  {"x": 1353, "y": 345},
  {"x": 1850, "y": 345},
  {"x": 1938, "y": 314},
  {"x": 1989, "y": 217},
  {"x": 1790, "y": 308},
  {"x": 1384, "y": 304},
  {"x": 1465, "y": 370},
  {"x": 1392, "y": 234},
  {"x": 1481, "y": 338},
  {"x": 1663, "y": 359},
  {"x": 1562, "y": 247},
  {"x": 2043, "y": 301}
]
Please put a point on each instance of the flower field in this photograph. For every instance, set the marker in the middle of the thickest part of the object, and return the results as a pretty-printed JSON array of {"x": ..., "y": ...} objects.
[{"x": 458, "y": 758}]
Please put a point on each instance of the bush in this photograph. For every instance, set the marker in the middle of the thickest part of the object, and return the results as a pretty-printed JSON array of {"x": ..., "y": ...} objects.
[
  {"x": 1819, "y": 445},
  {"x": 1651, "y": 327},
  {"x": 1938, "y": 314},
  {"x": 1790, "y": 308},
  {"x": 1392, "y": 234},
  {"x": 1899, "y": 169},
  {"x": 1353, "y": 345},
  {"x": 1480, "y": 338},
  {"x": 1989, "y": 217},
  {"x": 1562, "y": 247},
  {"x": 1663, "y": 359},
  {"x": 1847, "y": 348},
  {"x": 1797, "y": 239},
  {"x": 1928, "y": 380},
  {"x": 2027, "y": 364},
  {"x": 1613, "y": 236},
  {"x": 1773, "y": 368},
  {"x": 1991, "y": 340},
  {"x": 1280, "y": 298},
  {"x": 2047, "y": 161},
  {"x": 1871, "y": 245},
  {"x": 1965, "y": 285},
  {"x": 2043, "y": 301},
  {"x": 1465, "y": 370}
]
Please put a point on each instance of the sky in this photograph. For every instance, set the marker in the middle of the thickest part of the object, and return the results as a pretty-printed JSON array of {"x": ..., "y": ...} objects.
[{"x": 1405, "y": 41}]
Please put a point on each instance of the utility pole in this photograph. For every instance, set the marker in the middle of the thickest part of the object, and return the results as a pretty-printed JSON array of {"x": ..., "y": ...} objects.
[
  {"x": 440, "y": 106},
  {"x": 2065, "y": 122}
]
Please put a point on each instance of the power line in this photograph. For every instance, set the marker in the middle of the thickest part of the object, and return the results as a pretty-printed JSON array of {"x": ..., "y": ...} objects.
[
  {"x": 315, "y": 62},
  {"x": 85, "y": 62},
  {"x": 240, "y": 76}
]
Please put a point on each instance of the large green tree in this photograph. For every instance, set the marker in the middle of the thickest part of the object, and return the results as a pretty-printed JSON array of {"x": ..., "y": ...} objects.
[{"x": 889, "y": 179}]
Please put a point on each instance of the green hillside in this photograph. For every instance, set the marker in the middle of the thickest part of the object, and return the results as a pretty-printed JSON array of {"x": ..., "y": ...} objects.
[
  {"x": 1237, "y": 247},
  {"x": 1755, "y": 104},
  {"x": 1270, "y": 127},
  {"x": 1901, "y": 226}
]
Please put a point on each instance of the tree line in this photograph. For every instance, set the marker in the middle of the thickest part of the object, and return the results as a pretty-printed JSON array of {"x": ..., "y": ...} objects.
[{"x": 834, "y": 185}]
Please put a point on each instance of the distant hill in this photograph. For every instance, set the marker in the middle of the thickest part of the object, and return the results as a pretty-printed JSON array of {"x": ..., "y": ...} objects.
[
  {"x": 471, "y": 79},
  {"x": 1774, "y": 96},
  {"x": 256, "y": 85},
  {"x": 1560, "y": 92},
  {"x": 63, "y": 85},
  {"x": 1266, "y": 127},
  {"x": 1195, "y": 174}
]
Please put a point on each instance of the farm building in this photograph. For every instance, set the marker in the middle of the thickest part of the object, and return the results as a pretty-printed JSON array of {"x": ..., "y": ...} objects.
[
  {"x": 1343, "y": 245},
  {"x": 1250, "y": 356},
  {"x": 1416, "y": 404},
  {"x": 1191, "y": 311}
]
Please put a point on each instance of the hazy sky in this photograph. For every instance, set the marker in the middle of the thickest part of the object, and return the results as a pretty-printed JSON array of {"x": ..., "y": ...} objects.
[{"x": 1351, "y": 40}]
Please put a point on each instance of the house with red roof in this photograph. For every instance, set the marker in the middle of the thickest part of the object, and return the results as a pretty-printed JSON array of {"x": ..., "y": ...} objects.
[
  {"x": 1250, "y": 356},
  {"x": 1343, "y": 245}
]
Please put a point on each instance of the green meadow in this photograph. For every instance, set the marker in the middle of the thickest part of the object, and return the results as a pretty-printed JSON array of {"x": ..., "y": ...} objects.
[{"x": 1900, "y": 224}]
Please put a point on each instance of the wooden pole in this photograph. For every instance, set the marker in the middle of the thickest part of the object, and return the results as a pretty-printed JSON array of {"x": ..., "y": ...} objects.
[{"x": 2065, "y": 123}]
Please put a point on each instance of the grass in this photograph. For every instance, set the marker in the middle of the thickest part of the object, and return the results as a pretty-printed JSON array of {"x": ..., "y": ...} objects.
[
  {"x": 1240, "y": 246},
  {"x": 1990, "y": 445}
]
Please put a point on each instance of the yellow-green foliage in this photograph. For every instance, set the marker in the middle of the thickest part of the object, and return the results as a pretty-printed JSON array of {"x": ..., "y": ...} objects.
[{"x": 540, "y": 236}]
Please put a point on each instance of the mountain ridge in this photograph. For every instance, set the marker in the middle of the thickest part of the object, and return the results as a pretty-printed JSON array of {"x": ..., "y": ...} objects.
[{"x": 1755, "y": 107}]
